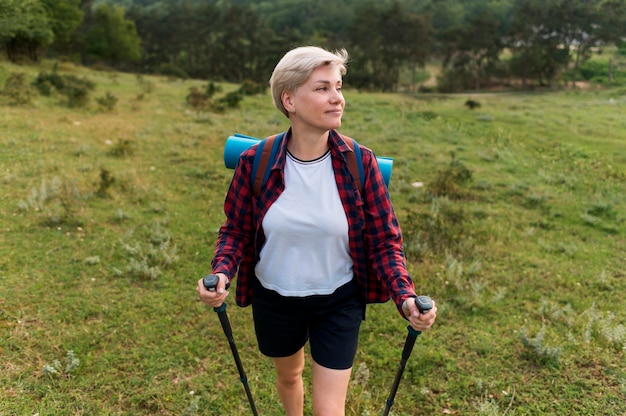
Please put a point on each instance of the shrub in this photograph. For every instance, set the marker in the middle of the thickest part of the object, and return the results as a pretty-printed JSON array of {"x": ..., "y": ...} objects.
[
  {"x": 542, "y": 354},
  {"x": 449, "y": 182},
  {"x": 146, "y": 260},
  {"x": 426, "y": 115},
  {"x": 106, "y": 180},
  {"x": 592, "y": 69},
  {"x": 46, "y": 83},
  {"x": 74, "y": 88},
  {"x": 231, "y": 100},
  {"x": 452, "y": 80},
  {"x": 252, "y": 88},
  {"x": 135, "y": 102},
  {"x": 203, "y": 100},
  {"x": 107, "y": 102},
  {"x": 56, "y": 368},
  {"x": 598, "y": 72},
  {"x": 440, "y": 231},
  {"x": 122, "y": 148},
  {"x": 77, "y": 90},
  {"x": 147, "y": 86},
  {"x": 172, "y": 70},
  {"x": 198, "y": 100},
  {"x": 17, "y": 90},
  {"x": 56, "y": 200},
  {"x": 211, "y": 89}
]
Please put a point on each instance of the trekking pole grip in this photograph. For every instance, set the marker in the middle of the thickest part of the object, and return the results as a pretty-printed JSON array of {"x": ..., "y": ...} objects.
[
  {"x": 210, "y": 282},
  {"x": 424, "y": 304}
]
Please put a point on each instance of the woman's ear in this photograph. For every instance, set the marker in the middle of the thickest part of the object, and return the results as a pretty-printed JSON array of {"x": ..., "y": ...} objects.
[{"x": 286, "y": 98}]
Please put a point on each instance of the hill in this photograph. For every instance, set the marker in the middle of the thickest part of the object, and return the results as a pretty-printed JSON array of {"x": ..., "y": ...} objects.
[{"x": 513, "y": 216}]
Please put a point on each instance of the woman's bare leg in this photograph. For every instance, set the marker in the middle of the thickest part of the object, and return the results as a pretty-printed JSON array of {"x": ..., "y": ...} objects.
[
  {"x": 330, "y": 388},
  {"x": 289, "y": 382}
]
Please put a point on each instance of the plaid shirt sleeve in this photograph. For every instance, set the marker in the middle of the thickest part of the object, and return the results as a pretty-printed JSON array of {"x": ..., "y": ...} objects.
[
  {"x": 383, "y": 238},
  {"x": 235, "y": 243},
  {"x": 375, "y": 236}
]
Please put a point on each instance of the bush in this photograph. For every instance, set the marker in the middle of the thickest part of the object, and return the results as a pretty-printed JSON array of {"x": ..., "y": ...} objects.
[
  {"x": 56, "y": 200},
  {"x": 122, "y": 148},
  {"x": 593, "y": 69},
  {"x": 77, "y": 90},
  {"x": 211, "y": 89},
  {"x": 17, "y": 90},
  {"x": 56, "y": 368},
  {"x": 452, "y": 80},
  {"x": 107, "y": 102},
  {"x": 198, "y": 100},
  {"x": 538, "y": 351},
  {"x": 106, "y": 181},
  {"x": 252, "y": 88},
  {"x": 147, "y": 85},
  {"x": 203, "y": 100},
  {"x": 172, "y": 70},
  {"x": 231, "y": 100},
  {"x": 449, "y": 181},
  {"x": 440, "y": 231},
  {"x": 148, "y": 257},
  {"x": 74, "y": 88},
  {"x": 46, "y": 83}
]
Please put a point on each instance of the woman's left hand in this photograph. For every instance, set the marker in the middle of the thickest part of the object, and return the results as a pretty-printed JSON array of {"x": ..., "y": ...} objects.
[{"x": 419, "y": 321}]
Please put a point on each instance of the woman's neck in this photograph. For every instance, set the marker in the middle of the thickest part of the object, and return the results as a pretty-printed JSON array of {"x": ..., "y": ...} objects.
[{"x": 307, "y": 145}]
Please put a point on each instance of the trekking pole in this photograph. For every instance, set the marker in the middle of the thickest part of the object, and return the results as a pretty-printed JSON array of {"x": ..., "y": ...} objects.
[
  {"x": 424, "y": 304},
  {"x": 210, "y": 283}
]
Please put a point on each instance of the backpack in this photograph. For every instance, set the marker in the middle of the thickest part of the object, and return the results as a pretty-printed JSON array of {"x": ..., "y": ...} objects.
[{"x": 266, "y": 154}]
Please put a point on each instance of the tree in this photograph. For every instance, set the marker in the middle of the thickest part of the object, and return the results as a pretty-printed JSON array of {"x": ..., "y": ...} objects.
[
  {"x": 474, "y": 43},
  {"x": 419, "y": 37},
  {"x": 535, "y": 41},
  {"x": 612, "y": 29},
  {"x": 24, "y": 28},
  {"x": 384, "y": 39},
  {"x": 207, "y": 41},
  {"x": 547, "y": 35},
  {"x": 447, "y": 22},
  {"x": 112, "y": 37},
  {"x": 179, "y": 35},
  {"x": 241, "y": 46},
  {"x": 65, "y": 16}
]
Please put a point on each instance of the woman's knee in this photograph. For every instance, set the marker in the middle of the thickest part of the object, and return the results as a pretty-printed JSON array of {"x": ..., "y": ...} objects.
[
  {"x": 330, "y": 388},
  {"x": 289, "y": 369}
]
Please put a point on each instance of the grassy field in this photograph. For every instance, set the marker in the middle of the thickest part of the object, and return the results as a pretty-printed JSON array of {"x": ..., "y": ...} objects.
[{"x": 108, "y": 218}]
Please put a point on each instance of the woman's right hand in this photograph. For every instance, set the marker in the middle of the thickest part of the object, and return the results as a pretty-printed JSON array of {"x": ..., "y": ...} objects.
[{"x": 213, "y": 298}]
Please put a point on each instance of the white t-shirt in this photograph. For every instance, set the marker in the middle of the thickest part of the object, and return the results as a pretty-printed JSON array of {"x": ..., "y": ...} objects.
[{"x": 306, "y": 251}]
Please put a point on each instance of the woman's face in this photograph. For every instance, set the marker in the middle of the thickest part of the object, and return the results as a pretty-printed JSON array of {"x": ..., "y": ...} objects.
[{"x": 318, "y": 103}]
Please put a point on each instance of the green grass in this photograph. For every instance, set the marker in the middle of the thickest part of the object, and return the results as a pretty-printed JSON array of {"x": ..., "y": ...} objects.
[{"x": 529, "y": 274}]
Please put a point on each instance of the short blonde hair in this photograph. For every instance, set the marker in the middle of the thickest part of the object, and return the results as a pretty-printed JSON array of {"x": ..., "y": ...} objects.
[{"x": 296, "y": 66}]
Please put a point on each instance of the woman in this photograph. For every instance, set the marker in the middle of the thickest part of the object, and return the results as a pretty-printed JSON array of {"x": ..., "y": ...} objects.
[{"x": 311, "y": 249}]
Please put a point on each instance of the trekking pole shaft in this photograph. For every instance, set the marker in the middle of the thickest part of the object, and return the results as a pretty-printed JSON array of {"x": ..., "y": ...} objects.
[
  {"x": 424, "y": 304},
  {"x": 210, "y": 282},
  {"x": 224, "y": 321},
  {"x": 406, "y": 353}
]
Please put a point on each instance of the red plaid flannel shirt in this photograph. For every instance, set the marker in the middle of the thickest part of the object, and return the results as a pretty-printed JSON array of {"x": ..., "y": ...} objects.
[{"x": 375, "y": 238}]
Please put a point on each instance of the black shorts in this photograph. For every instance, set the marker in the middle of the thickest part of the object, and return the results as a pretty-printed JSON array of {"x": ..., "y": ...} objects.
[{"x": 329, "y": 322}]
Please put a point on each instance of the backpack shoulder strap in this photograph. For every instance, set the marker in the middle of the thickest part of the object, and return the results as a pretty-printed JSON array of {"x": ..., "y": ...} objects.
[
  {"x": 263, "y": 159},
  {"x": 355, "y": 162},
  {"x": 266, "y": 154}
]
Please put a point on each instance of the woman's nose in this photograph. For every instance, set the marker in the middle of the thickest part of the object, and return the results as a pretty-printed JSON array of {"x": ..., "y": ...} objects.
[{"x": 336, "y": 96}]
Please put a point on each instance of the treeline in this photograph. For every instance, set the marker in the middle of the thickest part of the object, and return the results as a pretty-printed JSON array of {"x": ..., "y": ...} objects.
[{"x": 478, "y": 43}]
